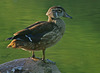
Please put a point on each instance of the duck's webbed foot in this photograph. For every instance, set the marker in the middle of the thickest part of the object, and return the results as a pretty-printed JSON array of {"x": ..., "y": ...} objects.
[{"x": 33, "y": 57}]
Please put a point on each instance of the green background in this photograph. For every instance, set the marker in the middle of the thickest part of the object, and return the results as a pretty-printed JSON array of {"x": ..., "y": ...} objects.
[{"x": 79, "y": 49}]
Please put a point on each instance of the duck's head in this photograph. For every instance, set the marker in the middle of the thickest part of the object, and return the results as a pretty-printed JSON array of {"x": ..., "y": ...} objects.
[{"x": 57, "y": 12}]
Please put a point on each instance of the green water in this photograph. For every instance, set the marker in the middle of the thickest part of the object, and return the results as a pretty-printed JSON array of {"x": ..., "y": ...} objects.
[{"x": 79, "y": 49}]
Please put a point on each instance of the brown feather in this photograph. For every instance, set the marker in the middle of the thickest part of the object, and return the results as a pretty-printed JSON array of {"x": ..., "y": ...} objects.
[
  {"x": 36, "y": 28},
  {"x": 25, "y": 45}
]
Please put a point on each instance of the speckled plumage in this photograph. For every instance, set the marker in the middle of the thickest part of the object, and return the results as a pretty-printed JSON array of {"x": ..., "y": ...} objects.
[{"x": 43, "y": 34}]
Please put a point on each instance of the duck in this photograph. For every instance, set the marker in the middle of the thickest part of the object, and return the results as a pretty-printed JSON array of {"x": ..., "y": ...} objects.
[{"x": 41, "y": 35}]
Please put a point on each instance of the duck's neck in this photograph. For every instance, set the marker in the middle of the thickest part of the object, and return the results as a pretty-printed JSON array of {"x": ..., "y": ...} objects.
[
  {"x": 50, "y": 19},
  {"x": 57, "y": 21}
]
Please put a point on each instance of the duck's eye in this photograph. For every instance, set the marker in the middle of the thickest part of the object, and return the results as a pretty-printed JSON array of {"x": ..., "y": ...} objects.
[{"x": 59, "y": 10}]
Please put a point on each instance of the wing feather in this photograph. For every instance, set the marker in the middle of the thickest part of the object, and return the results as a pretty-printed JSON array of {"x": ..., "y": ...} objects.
[
  {"x": 36, "y": 28},
  {"x": 34, "y": 32}
]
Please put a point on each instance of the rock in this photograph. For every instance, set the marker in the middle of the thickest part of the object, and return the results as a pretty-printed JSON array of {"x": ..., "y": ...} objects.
[{"x": 27, "y": 65}]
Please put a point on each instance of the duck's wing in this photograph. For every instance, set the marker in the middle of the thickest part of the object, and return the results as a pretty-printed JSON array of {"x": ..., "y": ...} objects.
[{"x": 34, "y": 32}]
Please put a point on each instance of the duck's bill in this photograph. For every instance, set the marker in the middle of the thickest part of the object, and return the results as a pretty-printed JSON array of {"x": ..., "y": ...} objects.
[{"x": 66, "y": 15}]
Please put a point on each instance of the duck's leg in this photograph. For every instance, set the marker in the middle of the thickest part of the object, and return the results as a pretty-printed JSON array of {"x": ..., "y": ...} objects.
[
  {"x": 47, "y": 60},
  {"x": 33, "y": 56},
  {"x": 43, "y": 58}
]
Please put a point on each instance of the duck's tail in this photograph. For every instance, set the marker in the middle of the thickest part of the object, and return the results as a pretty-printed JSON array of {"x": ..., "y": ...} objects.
[
  {"x": 12, "y": 44},
  {"x": 9, "y": 38},
  {"x": 21, "y": 44}
]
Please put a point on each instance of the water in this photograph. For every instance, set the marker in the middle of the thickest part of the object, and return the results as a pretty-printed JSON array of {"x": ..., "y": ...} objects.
[{"x": 79, "y": 49}]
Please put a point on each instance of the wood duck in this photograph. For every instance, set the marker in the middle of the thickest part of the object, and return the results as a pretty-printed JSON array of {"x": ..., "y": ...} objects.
[{"x": 42, "y": 34}]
